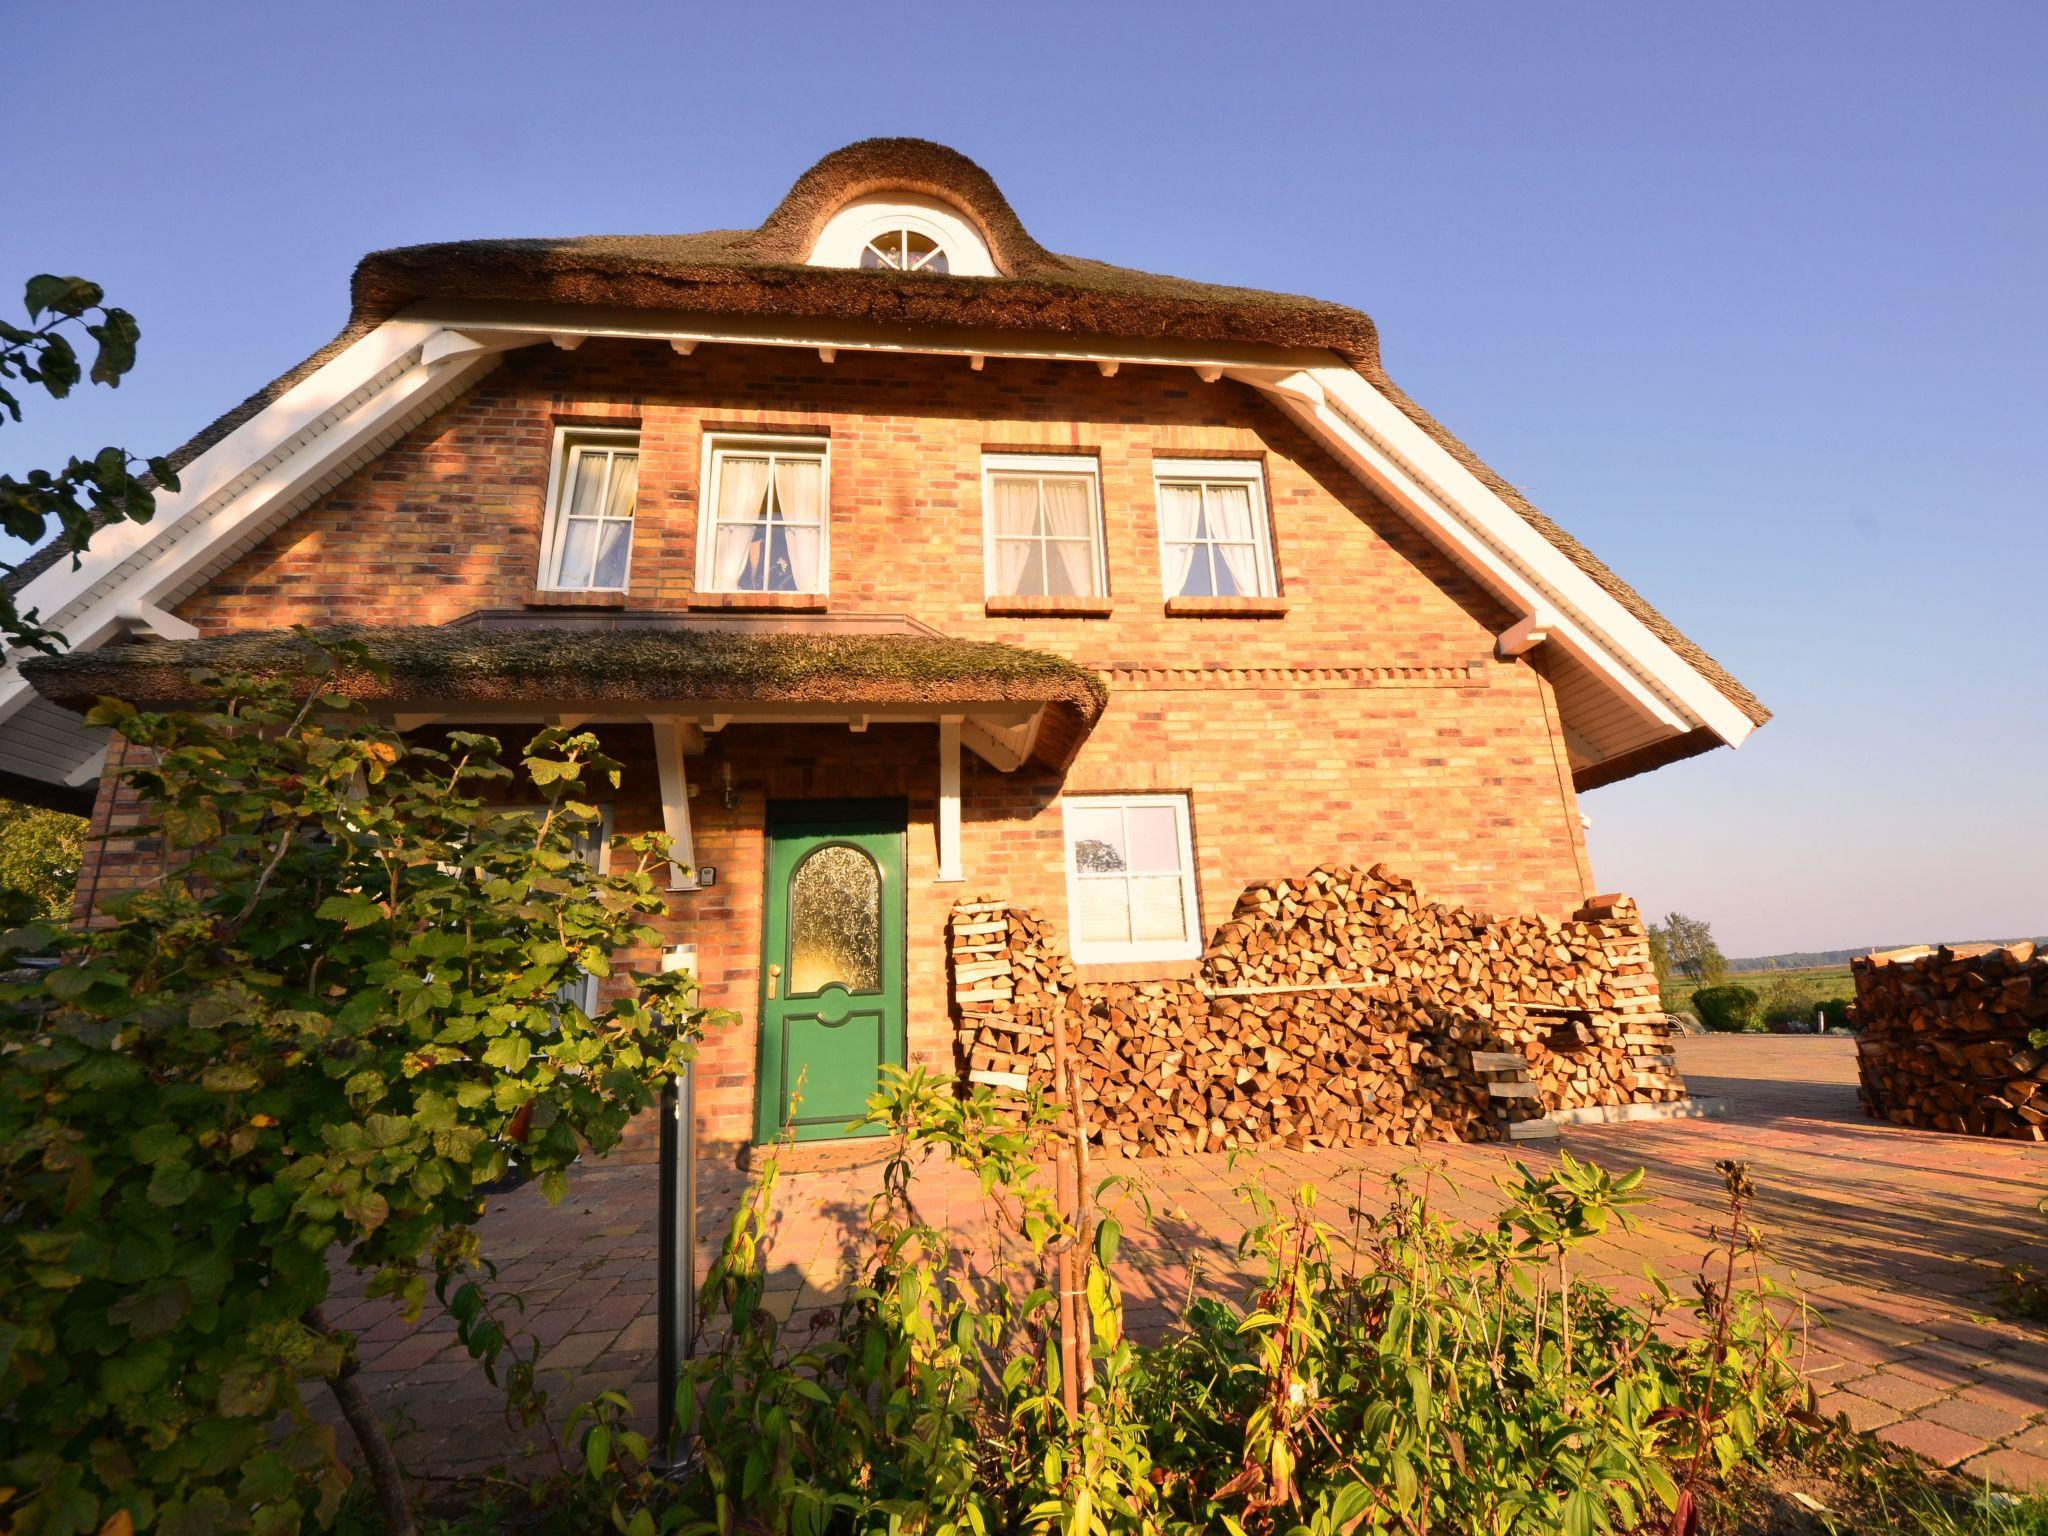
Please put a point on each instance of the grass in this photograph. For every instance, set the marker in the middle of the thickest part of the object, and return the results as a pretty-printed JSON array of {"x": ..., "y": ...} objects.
[{"x": 1828, "y": 981}]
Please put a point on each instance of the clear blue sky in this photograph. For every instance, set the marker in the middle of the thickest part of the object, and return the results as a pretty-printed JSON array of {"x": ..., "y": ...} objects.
[{"x": 1749, "y": 296}]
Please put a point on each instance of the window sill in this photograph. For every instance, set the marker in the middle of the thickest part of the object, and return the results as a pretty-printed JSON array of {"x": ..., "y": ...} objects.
[
  {"x": 543, "y": 598},
  {"x": 1063, "y": 607},
  {"x": 784, "y": 602},
  {"x": 1226, "y": 607}
]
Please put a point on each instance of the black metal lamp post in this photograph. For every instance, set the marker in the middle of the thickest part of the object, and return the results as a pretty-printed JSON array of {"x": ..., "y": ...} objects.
[{"x": 676, "y": 1238}]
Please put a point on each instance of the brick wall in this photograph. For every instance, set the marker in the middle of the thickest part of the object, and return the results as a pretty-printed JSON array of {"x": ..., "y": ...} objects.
[{"x": 1369, "y": 722}]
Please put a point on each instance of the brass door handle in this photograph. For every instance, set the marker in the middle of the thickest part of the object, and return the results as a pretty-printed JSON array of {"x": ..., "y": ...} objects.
[{"x": 774, "y": 976}]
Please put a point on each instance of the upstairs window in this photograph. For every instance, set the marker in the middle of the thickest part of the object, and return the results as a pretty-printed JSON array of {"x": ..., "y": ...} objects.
[
  {"x": 903, "y": 231},
  {"x": 1130, "y": 878},
  {"x": 588, "y": 543},
  {"x": 1213, "y": 536},
  {"x": 904, "y": 249},
  {"x": 1044, "y": 527},
  {"x": 764, "y": 526}
]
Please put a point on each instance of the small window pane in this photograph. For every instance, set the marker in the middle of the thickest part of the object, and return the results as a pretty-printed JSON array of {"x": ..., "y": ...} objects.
[
  {"x": 589, "y": 471},
  {"x": 1154, "y": 833},
  {"x": 1098, "y": 837},
  {"x": 614, "y": 545},
  {"x": 1158, "y": 914},
  {"x": 579, "y": 542},
  {"x": 618, "y": 501},
  {"x": 1102, "y": 912},
  {"x": 835, "y": 922}
]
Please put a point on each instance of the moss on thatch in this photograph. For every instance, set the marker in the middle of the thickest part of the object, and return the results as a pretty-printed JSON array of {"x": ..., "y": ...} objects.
[{"x": 587, "y": 664}]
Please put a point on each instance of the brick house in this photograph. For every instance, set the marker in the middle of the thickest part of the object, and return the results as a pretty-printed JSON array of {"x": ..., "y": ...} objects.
[{"x": 901, "y": 560}]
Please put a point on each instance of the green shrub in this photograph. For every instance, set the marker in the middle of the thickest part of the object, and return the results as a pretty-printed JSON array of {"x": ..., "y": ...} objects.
[
  {"x": 1836, "y": 1011},
  {"x": 1728, "y": 1008},
  {"x": 335, "y": 1017},
  {"x": 1399, "y": 1373}
]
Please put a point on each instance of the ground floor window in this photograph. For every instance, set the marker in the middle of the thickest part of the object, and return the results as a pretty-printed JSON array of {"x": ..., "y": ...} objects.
[{"x": 1130, "y": 878}]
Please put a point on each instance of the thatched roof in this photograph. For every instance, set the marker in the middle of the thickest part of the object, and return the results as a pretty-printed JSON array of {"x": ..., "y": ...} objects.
[
  {"x": 587, "y": 666},
  {"x": 762, "y": 272}
]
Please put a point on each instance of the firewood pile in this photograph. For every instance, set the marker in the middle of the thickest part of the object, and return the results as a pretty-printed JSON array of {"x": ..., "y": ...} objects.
[
  {"x": 1338, "y": 1008},
  {"x": 1944, "y": 1041}
]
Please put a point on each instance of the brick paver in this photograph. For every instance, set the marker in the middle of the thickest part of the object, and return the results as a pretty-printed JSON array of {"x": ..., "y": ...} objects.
[{"x": 1896, "y": 1237}]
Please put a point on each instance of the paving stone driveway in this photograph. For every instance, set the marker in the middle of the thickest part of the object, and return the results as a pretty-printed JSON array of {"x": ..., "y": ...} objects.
[{"x": 1897, "y": 1237}]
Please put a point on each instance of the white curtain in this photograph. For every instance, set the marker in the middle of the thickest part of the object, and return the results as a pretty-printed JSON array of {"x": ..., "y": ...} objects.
[
  {"x": 625, "y": 485},
  {"x": 615, "y": 534},
  {"x": 797, "y": 483},
  {"x": 1068, "y": 519},
  {"x": 1236, "y": 536},
  {"x": 1180, "y": 512},
  {"x": 1016, "y": 514},
  {"x": 742, "y": 498}
]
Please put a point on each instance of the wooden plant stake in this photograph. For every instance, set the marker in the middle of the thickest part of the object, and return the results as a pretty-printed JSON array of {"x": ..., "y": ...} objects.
[{"x": 1065, "y": 1269}]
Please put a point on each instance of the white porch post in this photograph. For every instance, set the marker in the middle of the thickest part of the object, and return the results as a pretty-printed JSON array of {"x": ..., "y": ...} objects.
[
  {"x": 669, "y": 735},
  {"x": 949, "y": 798}
]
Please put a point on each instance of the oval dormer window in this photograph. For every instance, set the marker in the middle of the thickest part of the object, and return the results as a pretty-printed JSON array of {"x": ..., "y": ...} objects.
[
  {"x": 905, "y": 249},
  {"x": 903, "y": 232}
]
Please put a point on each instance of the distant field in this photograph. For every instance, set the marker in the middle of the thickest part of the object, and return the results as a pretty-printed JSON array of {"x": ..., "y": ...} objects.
[{"x": 1828, "y": 980}]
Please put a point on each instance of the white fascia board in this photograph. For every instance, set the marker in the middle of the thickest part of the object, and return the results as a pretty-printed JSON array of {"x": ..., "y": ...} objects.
[
  {"x": 1595, "y": 619},
  {"x": 130, "y": 566},
  {"x": 248, "y": 445},
  {"x": 512, "y": 325},
  {"x": 1303, "y": 399}
]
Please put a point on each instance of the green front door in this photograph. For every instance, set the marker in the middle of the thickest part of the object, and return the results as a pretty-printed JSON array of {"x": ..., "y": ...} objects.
[{"x": 831, "y": 962}]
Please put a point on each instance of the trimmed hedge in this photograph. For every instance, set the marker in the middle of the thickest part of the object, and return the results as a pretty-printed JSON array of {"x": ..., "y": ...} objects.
[{"x": 1730, "y": 1008}]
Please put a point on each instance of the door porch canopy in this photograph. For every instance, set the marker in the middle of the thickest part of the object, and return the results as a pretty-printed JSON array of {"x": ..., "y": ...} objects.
[{"x": 687, "y": 676}]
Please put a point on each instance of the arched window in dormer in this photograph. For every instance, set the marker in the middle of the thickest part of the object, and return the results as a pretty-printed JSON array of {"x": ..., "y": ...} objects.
[{"x": 903, "y": 232}]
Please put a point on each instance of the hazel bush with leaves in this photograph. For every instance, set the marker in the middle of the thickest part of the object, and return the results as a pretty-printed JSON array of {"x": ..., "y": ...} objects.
[{"x": 348, "y": 1001}]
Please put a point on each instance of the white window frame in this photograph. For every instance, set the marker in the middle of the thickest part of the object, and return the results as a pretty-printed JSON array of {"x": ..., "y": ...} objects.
[
  {"x": 1206, "y": 472},
  {"x": 847, "y": 233},
  {"x": 566, "y": 441},
  {"x": 1074, "y": 465},
  {"x": 1096, "y": 952},
  {"x": 718, "y": 446}
]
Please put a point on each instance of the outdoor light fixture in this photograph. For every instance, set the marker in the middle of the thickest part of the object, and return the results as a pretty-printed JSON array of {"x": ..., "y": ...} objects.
[{"x": 729, "y": 794}]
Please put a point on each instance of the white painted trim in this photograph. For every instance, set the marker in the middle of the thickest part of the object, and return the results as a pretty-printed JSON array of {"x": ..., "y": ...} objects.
[
  {"x": 88, "y": 770},
  {"x": 949, "y": 799},
  {"x": 158, "y": 623},
  {"x": 548, "y": 578},
  {"x": 1086, "y": 951},
  {"x": 716, "y": 446},
  {"x": 1072, "y": 464},
  {"x": 1473, "y": 545},
  {"x": 1525, "y": 634},
  {"x": 670, "y": 743},
  {"x": 847, "y": 233},
  {"x": 1250, "y": 473},
  {"x": 1596, "y": 618}
]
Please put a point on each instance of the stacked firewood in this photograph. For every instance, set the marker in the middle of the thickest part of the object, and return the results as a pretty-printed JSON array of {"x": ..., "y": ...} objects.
[
  {"x": 1009, "y": 982},
  {"x": 1336, "y": 1009},
  {"x": 1946, "y": 1042}
]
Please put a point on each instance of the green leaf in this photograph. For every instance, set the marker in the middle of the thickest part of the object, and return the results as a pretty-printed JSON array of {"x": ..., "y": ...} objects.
[
  {"x": 353, "y": 910},
  {"x": 172, "y": 1184},
  {"x": 381, "y": 1131},
  {"x": 159, "y": 1143},
  {"x": 68, "y": 296},
  {"x": 509, "y": 1053}
]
